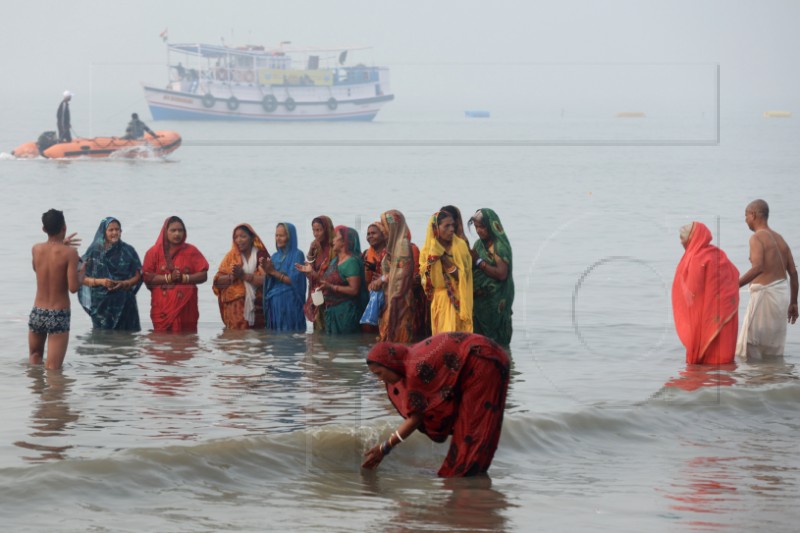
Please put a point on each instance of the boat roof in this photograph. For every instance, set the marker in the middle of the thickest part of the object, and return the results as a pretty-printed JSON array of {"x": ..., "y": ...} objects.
[{"x": 215, "y": 50}]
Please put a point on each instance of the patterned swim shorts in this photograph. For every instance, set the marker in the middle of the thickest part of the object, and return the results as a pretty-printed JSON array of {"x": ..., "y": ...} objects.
[{"x": 46, "y": 321}]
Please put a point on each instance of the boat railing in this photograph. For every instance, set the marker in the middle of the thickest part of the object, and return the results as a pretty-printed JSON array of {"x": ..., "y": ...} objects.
[{"x": 194, "y": 80}]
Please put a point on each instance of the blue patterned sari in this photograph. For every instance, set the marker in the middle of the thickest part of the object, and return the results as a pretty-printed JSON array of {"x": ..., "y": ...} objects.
[{"x": 111, "y": 309}]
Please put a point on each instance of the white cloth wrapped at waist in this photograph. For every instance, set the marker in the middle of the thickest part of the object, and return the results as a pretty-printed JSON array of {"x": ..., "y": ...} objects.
[{"x": 763, "y": 330}]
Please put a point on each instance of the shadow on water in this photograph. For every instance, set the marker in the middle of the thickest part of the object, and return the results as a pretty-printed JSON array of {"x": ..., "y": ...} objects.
[
  {"x": 168, "y": 372},
  {"x": 750, "y": 373},
  {"x": 730, "y": 466},
  {"x": 52, "y": 415},
  {"x": 459, "y": 504}
]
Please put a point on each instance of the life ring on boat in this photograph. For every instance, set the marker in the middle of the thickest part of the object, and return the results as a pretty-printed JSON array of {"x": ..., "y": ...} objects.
[
  {"x": 332, "y": 103},
  {"x": 233, "y": 103},
  {"x": 222, "y": 74},
  {"x": 269, "y": 103},
  {"x": 290, "y": 104},
  {"x": 237, "y": 75},
  {"x": 248, "y": 76},
  {"x": 209, "y": 100}
]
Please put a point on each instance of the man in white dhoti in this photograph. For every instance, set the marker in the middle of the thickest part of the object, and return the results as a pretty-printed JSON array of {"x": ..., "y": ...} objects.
[{"x": 773, "y": 301}]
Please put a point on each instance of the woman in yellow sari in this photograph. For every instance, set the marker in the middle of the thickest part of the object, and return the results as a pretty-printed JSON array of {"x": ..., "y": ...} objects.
[{"x": 446, "y": 267}]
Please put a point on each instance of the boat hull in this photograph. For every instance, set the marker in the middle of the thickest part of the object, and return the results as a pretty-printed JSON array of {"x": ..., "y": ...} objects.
[
  {"x": 249, "y": 104},
  {"x": 164, "y": 143}
]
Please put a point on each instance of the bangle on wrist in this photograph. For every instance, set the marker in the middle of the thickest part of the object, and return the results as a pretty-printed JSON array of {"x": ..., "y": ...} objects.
[{"x": 386, "y": 448}]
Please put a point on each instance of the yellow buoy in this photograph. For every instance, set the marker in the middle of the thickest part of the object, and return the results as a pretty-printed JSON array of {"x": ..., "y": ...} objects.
[{"x": 777, "y": 114}]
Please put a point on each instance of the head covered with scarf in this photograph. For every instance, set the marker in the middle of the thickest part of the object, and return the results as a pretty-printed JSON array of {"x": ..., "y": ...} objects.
[
  {"x": 705, "y": 292},
  {"x": 117, "y": 261},
  {"x": 284, "y": 260},
  {"x": 399, "y": 264},
  {"x": 459, "y": 291}
]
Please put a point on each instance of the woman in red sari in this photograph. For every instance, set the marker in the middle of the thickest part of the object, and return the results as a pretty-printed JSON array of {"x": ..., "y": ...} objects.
[
  {"x": 319, "y": 257},
  {"x": 450, "y": 384},
  {"x": 705, "y": 299},
  {"x": 172, "y": 270}
]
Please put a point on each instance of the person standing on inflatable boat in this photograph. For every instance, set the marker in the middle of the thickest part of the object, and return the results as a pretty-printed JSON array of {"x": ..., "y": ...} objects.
[{"x": 62, "y": 117}]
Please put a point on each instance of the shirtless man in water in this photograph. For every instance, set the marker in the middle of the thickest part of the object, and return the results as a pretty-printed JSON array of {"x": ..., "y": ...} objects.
[
  {"x": 55, "y": 262},
  {"x": 772, "y": 304}
]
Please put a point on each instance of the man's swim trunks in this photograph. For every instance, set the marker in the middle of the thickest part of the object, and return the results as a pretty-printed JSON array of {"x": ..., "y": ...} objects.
[{"x": 46, "y": 321}]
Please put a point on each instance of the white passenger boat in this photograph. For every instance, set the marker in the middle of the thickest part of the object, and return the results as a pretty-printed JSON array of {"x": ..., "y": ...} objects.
[{"x": 213, "y": 82}]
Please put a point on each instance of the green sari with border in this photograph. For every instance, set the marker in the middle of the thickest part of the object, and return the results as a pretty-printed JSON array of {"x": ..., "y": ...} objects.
[{"x": 493, "y": 299}]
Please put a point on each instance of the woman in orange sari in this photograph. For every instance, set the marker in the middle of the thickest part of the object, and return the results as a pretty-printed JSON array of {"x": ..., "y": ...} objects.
[
  {"x": 372, "y": 258},
  {"x": 397, "y": 322},
  {"x": 172, "y": 270},
  {"x": 238, "y": 282},
  {"x": 373, "y": 255},
  {"x": 705, "y": 299},
  {"x": 319, "y": 257}
]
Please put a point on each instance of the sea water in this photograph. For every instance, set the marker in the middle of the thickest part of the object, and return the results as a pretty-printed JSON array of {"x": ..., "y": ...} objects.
[{"x": 606, "y": 429}]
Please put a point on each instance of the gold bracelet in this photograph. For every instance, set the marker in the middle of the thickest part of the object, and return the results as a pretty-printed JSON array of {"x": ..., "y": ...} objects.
[{"x": 186, "y": 279}]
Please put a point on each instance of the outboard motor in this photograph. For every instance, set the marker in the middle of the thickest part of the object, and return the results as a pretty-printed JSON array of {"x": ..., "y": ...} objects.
[{"x": 46, "y": 140}]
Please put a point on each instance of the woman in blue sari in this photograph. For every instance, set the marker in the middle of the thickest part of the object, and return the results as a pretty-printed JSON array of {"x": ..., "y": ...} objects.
[
  {"x": 284, "y": 285},
  {"x": 112, "y": 278}
]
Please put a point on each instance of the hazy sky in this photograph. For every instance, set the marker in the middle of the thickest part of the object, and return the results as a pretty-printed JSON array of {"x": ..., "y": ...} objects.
[{"x": 473, "y": 51}]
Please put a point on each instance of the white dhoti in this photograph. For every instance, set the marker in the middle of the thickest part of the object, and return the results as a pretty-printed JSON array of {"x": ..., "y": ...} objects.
[{"x": 763, "y": 331}]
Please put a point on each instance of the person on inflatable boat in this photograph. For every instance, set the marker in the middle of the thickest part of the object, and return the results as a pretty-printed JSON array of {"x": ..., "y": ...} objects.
[{"x": 136, "y": 129}]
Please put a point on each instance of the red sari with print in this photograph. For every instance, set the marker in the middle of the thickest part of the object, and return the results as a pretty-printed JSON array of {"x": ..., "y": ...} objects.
[{"x": 458, "y": 382}]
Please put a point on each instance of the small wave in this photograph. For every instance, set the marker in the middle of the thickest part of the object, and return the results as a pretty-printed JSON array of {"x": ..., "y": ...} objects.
[{"x": 229, "y": 461}]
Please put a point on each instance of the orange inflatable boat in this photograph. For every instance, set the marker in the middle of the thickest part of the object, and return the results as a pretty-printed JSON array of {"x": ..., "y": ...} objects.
[{"x": 48, "y": 146}]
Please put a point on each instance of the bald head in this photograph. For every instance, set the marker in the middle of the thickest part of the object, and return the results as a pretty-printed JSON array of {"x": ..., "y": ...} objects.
[{"x": 759, "y": 208}]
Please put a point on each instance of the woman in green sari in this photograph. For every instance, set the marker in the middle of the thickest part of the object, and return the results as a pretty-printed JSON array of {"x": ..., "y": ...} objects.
[
  {"x": 492, "y": 282},
  {"x": 343, "y": 284}
]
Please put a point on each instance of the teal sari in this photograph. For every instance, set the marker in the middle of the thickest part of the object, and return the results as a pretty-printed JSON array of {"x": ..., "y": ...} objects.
[{"x": 111, "y": 309}]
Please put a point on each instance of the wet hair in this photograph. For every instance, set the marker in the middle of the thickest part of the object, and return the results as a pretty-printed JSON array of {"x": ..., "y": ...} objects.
[
  {"x": 135, "y": 115},
  {"x": 759, "y": 208},
  {"x": 53, "y": 221},
  {"x": 477, "y": 217},
  {"x": 244, "y": 229}
]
